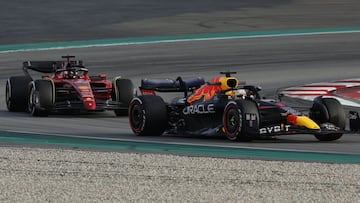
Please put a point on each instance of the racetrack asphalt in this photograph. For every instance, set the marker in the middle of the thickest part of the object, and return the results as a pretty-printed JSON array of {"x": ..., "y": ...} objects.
[{"x": 69, "y": 20}]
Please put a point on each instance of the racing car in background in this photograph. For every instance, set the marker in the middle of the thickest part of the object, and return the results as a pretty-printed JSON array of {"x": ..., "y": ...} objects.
[
  {"x": 224, "y": 106},
  {"x": 65, "y": 86}
]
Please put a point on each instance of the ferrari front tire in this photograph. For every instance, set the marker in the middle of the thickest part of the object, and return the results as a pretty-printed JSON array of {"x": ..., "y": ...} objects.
[
  {"x": 41, "y": 97},
  {"x": 328, "y": 110},
  {"x": 148, "y": 115},
  {"x": 16, "y": 93},
  {"x": 123, "y": 92}
]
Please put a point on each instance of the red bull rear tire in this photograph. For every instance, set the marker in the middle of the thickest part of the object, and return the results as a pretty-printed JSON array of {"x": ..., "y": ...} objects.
[{"x": 148, "y": 115}]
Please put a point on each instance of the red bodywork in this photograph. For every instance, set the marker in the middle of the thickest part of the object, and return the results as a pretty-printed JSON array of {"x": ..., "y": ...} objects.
[{"x": 83, "y": 85}]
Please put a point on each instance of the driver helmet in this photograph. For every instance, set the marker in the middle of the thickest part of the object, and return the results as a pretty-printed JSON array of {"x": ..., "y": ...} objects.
[
  {"x": 69, "y": 74},
  {"x": 245, "y": 93}
]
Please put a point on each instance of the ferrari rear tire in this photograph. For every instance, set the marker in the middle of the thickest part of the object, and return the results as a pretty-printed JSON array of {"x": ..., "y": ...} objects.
[
  {"x": 329, "y": 110},
  {"x": 148, "y": 115},
  {"x": 16, "y": 93},
  {"x": 41, "y": 97},
  {"x": 123, "y": 92},
  {"x": 236, "y": 123}
]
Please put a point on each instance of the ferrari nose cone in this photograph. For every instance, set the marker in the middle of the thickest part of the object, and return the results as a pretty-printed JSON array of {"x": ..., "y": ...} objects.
[
  {"x": 89, "y": 104},
  {"x": 302, "y": 121}
]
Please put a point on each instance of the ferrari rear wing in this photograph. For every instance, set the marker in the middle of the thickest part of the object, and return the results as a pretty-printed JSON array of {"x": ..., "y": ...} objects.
[
  {"x": 47, "y": 66},
  {"x": 41, "y": 66}
]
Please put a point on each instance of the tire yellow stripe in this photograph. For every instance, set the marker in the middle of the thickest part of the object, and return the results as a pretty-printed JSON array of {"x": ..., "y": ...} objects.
[{"x": 117, "y": 96}]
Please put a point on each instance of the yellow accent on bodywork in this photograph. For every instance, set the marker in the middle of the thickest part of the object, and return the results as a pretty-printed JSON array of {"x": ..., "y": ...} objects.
[
  {"x": 223, "y": 81},
  {"x": 83, "y": 87},
  {"x": 307, "y": 122},
  {"x": 224, "y": 85}
]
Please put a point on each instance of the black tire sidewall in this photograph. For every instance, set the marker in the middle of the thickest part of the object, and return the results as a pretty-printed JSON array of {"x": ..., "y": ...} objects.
[
  {"x": 44, "y": 89},
  {"x": 152, "y": 111},
  {"x": 334, "y": 114},
  {"x": 16, "y": 93}
]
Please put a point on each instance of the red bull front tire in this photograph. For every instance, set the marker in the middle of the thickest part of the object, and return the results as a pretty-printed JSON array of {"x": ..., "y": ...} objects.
[
  {"x": 328, "y": 110},
  {"x": 241, "y": 120}
]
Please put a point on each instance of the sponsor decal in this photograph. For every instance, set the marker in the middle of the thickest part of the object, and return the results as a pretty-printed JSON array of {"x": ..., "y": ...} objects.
[
  {"x": 205, "y": 92},
  {"x": 275, "y": 129},
  {"x": 329, "y": 126},
  {"x": 83, "y": 87},
  {"x": 251, "y": 117},
  {"x": 199, "y": 109}
]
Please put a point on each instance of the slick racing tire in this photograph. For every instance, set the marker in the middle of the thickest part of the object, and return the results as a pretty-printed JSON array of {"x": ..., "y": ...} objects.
[
  {"x": 123, "y": 92},
  {"x": 16, "y": 93},
  {"x": 41, "y": 97},
  {"x": 148, "y": 115},
  {"x": 238, "y": 118},
  {"x": 328, "y": 110}
]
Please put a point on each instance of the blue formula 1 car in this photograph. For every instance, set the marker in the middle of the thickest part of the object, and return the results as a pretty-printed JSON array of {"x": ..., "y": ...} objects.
[{"x": 225, "y": 107}]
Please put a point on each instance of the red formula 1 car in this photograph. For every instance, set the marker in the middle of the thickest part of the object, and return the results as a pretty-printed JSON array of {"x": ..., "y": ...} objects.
[
  {"x": 223, "y": 106},
  {"x": 66, "y": 87}
]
